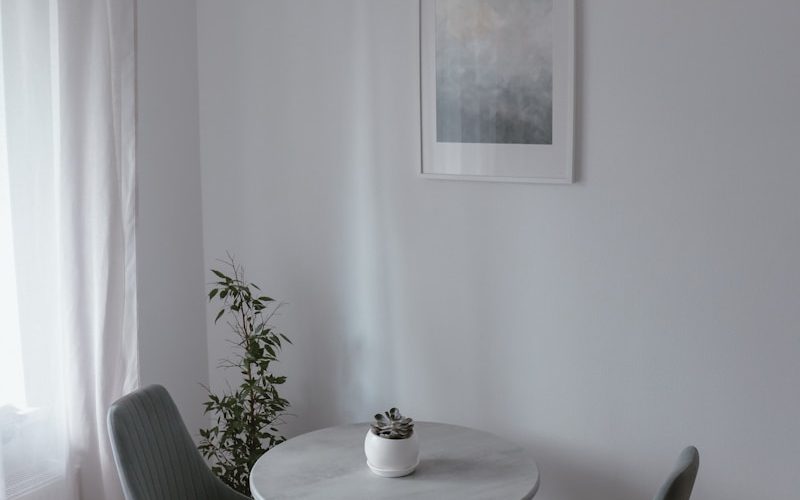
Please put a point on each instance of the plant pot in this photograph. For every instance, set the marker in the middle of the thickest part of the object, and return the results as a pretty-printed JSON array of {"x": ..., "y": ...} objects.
[{"x": 391, "y": 457}]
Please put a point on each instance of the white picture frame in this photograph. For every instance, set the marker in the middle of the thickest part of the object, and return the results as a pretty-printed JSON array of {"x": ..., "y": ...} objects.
[{"x": 481, "y": 160}]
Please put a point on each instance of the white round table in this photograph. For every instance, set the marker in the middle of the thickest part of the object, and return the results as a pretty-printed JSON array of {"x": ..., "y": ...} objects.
[{"x": 455, "y": 463}]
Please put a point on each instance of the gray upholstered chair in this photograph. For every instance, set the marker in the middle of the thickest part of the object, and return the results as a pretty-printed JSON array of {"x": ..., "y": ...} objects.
[
  {"x": 155, "y": 455},
  {"x": 680, "y": 483}
]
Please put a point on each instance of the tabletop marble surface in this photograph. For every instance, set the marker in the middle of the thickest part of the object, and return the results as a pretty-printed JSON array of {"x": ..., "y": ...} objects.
[{"x": 455, "y": 463}]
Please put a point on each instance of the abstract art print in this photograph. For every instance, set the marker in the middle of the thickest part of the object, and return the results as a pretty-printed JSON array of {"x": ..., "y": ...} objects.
[
  {"x": 494, "y": 71},
  {"x": 497, "y": 98}
]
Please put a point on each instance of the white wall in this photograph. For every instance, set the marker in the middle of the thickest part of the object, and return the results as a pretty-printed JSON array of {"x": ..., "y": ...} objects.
[
  {"x": 172, "y": 330},
  {"x": 603, "y": 325}
]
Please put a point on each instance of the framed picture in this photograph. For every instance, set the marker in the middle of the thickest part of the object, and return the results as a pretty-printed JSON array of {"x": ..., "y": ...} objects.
[{"x": 497, "y": 89}]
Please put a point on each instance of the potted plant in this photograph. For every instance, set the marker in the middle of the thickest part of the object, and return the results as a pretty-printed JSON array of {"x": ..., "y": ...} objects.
[
  {"x": 244, "y": 417},
  {"x": 391, "y": 445}
]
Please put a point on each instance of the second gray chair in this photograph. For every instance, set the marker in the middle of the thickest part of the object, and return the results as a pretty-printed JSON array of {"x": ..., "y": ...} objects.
[
  {"x": 155, "y": 455},
  {"x": 680, "y": 483}
]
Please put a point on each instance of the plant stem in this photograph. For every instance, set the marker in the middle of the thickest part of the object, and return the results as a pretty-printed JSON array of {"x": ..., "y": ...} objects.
[{"x": 252, "y": 435}]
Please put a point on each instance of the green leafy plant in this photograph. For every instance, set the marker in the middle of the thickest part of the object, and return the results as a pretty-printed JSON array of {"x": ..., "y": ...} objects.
[
  {"x": 245, "y": 418},
  {"x": 392, "y": 425}
]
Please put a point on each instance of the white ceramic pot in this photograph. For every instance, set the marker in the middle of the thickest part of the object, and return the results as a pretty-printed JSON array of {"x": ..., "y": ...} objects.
[{"x": 391, "y": 457}]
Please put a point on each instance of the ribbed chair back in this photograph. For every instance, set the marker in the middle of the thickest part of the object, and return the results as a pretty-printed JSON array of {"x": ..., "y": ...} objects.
[
  {"x": 155, "y": 455},
  {"x": 681, "y": 481}
]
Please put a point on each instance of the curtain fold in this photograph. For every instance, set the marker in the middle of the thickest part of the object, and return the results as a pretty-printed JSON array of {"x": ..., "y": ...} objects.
[{"x": 69, "y": 115}]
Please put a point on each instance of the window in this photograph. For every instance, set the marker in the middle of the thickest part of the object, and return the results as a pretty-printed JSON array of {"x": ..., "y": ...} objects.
[
  {"x": 32, "y": 438},
  {"x": 12, "y": 389}
]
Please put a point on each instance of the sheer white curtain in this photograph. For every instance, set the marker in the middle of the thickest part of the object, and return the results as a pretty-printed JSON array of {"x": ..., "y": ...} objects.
[{"x": 67, "y": 263}]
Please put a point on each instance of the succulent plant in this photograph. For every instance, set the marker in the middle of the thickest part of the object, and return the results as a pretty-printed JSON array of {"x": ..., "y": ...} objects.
[{"x": 392, "y": 425}]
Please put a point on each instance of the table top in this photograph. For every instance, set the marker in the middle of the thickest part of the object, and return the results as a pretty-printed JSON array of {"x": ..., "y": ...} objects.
[{"x": 455, "y": 463}]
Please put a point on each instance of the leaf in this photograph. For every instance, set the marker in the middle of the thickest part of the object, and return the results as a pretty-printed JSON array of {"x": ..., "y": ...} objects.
[
  {"x": 219, "y": 315},
  {"x": 219, "y": 274},
  {"x": 212, "y": 293}
]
